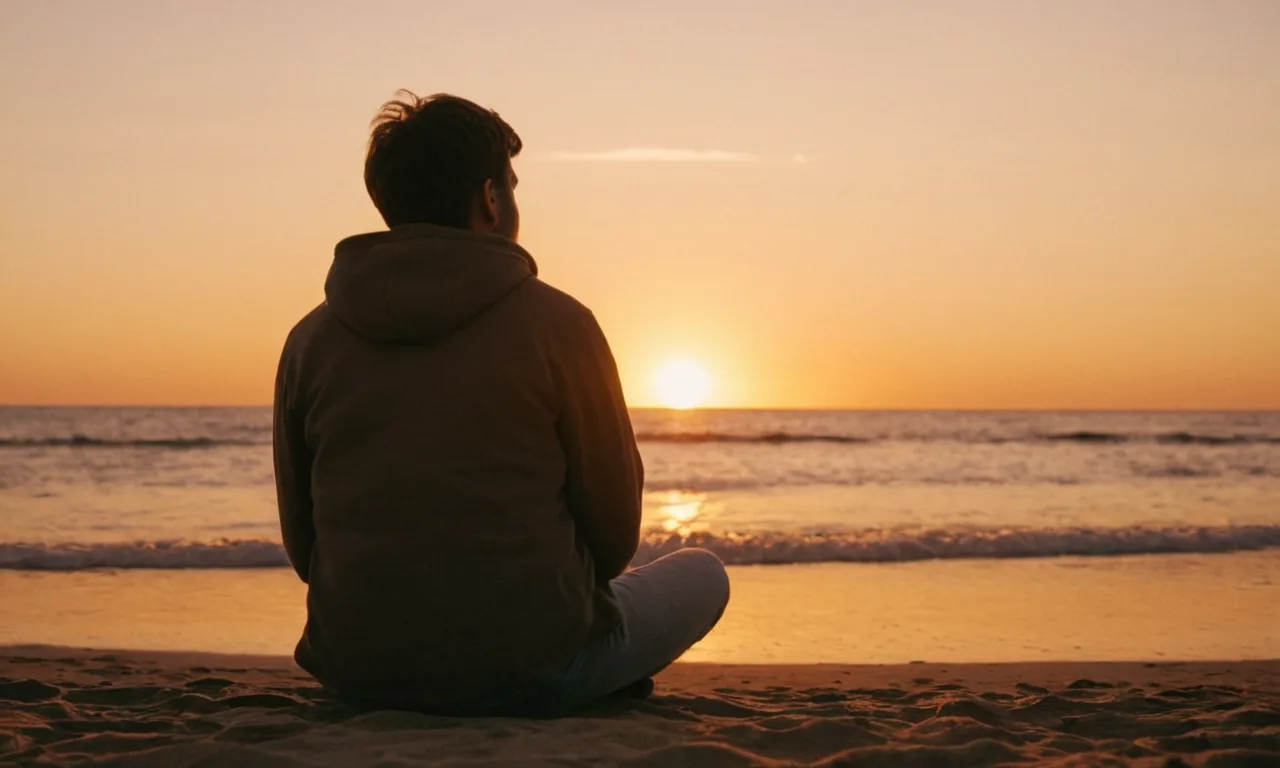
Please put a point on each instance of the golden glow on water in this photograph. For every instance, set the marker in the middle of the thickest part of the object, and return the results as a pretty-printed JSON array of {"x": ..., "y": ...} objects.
[
  {"x": 680, "y": 511},
  {"x": 1042, "y": 609},
  {"x": 1045, "y": 609}
]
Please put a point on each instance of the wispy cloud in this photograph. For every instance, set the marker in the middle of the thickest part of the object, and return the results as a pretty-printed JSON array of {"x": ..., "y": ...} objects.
[{"x": 657, "y": 155}]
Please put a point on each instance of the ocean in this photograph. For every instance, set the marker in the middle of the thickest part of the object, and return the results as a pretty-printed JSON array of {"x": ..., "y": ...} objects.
[{"x": 151, "y": 496}]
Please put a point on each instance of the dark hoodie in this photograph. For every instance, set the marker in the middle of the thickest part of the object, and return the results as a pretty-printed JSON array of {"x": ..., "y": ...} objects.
[{"x": 457, "y": 475}]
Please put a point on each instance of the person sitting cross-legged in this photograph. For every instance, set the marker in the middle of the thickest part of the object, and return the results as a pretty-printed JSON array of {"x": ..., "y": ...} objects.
[{"x": 458, "y": 479}]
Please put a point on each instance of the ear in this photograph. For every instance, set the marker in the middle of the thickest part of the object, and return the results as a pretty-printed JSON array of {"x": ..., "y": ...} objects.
[{"x": 489, "y": 212}]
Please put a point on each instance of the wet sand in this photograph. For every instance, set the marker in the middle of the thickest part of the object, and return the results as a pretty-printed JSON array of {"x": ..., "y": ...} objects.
[{"x": 1038, "y": 609}]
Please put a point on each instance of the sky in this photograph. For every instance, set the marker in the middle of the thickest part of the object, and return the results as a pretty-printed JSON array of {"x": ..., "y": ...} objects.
[{"x": 888, "y": 204}]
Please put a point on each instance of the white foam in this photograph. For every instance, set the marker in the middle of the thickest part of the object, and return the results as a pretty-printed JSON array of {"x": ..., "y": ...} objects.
[
  {"x": 238, "y": 553},
  {"x": 884, "y": 546},
  {"x": 906, "y": 546}
]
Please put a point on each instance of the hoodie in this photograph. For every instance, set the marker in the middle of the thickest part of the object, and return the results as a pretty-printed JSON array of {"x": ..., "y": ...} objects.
[{"x": 456, "y": 470}]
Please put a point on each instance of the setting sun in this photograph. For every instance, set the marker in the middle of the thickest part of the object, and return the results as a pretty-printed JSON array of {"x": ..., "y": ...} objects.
[{"x": 682, "y": 384}]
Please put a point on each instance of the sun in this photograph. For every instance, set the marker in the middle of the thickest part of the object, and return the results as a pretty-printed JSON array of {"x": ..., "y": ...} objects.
[{"x": 682, "y": 384}]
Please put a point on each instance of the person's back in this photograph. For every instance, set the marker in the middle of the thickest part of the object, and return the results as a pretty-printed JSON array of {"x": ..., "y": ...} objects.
[{"x": 457, "y": 473}]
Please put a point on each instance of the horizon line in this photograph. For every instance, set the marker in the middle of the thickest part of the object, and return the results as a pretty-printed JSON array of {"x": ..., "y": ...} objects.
[{"x": 811, "y": 409}]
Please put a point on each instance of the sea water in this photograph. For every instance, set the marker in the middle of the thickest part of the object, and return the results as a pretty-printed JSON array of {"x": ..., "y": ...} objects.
[{"x": 184, "y": 497}]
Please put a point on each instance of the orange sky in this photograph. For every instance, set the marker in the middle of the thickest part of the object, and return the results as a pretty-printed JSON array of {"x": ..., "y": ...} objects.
[{"x": 871, "y": 204}]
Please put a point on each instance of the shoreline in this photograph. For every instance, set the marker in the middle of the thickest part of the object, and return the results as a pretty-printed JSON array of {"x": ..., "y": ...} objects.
[
  {"x": 1189, "y": 607},
  {"x": 67, "y": 705}
]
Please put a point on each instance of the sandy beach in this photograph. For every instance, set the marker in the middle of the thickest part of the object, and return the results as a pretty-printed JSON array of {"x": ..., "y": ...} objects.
[{"x": 61, "y": 706}]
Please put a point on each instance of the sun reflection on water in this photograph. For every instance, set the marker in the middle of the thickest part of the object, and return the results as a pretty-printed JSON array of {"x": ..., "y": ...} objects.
[{"x": 680, "y": 511}]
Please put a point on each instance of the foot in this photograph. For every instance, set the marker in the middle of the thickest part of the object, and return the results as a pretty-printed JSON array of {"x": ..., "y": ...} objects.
[{"x": 640, "y": 689}]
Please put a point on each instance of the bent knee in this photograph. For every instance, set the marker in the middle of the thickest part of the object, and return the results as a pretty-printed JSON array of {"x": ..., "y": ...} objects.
[{"x": 710, "y": 574}]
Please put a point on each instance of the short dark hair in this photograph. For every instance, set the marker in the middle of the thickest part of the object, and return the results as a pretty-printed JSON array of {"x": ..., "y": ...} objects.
[{"x": 429, "y": 157}]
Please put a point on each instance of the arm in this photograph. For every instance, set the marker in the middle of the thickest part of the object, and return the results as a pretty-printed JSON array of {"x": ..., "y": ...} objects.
[
  {"x": 293, "y": 479},
  {"x": 605, "y": 471}
]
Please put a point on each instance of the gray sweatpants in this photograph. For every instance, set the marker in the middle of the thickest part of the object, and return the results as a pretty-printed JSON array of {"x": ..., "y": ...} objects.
[{"x": 667, "y": 606}]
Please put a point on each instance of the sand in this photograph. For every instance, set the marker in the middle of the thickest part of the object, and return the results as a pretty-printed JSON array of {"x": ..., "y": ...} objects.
[{"x": 63, "y": 706}]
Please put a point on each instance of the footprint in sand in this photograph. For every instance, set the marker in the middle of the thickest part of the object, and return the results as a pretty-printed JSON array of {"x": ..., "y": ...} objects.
[{"x": 27, "y": 691}]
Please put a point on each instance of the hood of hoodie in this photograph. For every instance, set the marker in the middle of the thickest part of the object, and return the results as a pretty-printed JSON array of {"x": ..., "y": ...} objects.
[{"x": 420, "y": 282}]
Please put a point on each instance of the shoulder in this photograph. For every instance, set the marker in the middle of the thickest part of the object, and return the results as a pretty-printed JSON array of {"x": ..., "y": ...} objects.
[
  {"x": 551, "y": 299},
  {"x": 303, "y": 333},
  {"x": 552, "y": 307},
  {"x": 307, "y": 327}
]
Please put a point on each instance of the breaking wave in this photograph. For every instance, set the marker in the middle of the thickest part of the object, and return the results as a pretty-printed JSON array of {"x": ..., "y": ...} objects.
[
  {"x": 776, "y": 438},
  {"x": 1168, "y": 438},
  {"x": 238, "y": 553},
  {"x": 898, "y": 546},
  {"x": 80, "y": 441},
  {"x": 781, "y": 438},
  {"x": 733, "y": 549},
  {"x": 694, "y": 438}
]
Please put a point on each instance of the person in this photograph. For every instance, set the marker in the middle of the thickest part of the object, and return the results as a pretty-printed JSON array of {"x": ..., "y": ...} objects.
[{"x": 458, "y": 480}]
